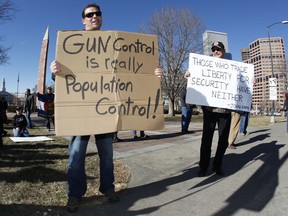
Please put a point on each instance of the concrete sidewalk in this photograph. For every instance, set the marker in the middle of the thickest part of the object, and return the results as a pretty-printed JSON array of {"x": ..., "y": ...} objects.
[{"x": 165, "y": 181}]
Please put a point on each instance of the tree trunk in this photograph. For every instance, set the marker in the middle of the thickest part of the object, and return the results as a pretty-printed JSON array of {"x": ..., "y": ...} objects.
[{"x": 171, "y": 108}]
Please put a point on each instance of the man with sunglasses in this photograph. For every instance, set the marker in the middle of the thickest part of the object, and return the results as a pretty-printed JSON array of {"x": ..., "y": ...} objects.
[
  {"x": 77, "y": 184},
  {"x": 77, "y": 181},
  {"x": 211, "y": 117}
]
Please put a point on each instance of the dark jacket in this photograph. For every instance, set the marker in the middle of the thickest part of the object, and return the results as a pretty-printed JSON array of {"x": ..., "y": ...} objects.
[
  {"x": 29, "y": 103},
  {"x": 182, "y": 98},
  {"x": 19, "y": 121}
]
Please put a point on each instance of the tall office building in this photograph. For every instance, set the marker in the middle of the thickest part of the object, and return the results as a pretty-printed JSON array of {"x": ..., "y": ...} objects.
[
  {"x": 258, "y": 54},
  {"x": 211, "y": 36},
  {"x": 245, "y": 55}
]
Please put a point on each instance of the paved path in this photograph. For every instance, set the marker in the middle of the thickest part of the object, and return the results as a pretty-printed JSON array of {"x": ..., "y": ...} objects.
[{"x": 165, "y": 180}]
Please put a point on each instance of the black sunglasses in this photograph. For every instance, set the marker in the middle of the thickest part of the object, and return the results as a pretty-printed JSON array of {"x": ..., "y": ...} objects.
[
  {"x": 91, "y": 14},
  {"x": 216, "y": 49}
]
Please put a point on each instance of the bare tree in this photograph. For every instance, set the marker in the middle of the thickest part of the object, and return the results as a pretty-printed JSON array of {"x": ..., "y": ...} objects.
[
  {"x": 6, "y": 13},
  {"x": 179, "y": 33}
]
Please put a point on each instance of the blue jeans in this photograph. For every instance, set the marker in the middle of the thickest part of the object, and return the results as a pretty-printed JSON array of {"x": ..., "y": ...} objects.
[
  {"x": 29, "y": 123},
  {"x": 48, "y": 122},
  {"x": 244, "y": 122},
  {"x": 77, "y": 183},
  {"x": 17, "y": 133},
  {"x": 185, "y": 118}
]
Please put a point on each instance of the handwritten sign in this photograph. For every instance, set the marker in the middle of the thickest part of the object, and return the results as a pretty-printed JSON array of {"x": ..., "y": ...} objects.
[
  {"x": 107, "y": 83},
  {"x": 217, "y": 82}
]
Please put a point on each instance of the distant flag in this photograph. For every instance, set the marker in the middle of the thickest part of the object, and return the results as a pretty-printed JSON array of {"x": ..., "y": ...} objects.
[{"x": 17, "y": 88}]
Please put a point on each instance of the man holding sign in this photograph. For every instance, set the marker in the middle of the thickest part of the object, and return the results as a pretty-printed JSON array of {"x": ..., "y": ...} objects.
[
  {"x": 219, "y": 86},
  {"x": 211, "y": 117},
  {"x": 77, "y": 185}
]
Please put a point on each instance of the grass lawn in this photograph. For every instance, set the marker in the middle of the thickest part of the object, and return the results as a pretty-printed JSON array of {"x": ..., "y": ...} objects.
[
  {"x": 254, "y": 120},
  {"x": 33, "y": 176}
]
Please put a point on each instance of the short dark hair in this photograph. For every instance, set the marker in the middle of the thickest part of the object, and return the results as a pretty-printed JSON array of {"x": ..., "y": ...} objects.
[{"x": 88, "y": 6}]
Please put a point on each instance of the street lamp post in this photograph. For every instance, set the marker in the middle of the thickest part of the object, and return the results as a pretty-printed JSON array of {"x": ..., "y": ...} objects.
[{"x": 272, "y": 66}]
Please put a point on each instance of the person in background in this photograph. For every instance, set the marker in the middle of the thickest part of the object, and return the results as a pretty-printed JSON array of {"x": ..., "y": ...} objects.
[
  {"x": 4, "y": 108},
  {"x": 29, "y": 107},
  {"x": 245, "y": 116},
  {"x": 46, "y": 106},
  {"x": 77, "y": 184},
  {"x": 244, "y": 123},
  {"x": 187, "y": 110},
  {"x": 142, "y": 134},
  {"x": 20, "y": 124},
  {"x": 211, "y": 117},
  {"x": 285, "y": 109},
  {"x": 1, "y": 126},
  {"x": 234, "y": 128},
  {"x": 116, "y": 138}
]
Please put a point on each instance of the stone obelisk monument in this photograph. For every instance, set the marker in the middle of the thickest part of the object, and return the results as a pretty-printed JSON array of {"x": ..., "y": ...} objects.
[{"x": 43, "y": 63}]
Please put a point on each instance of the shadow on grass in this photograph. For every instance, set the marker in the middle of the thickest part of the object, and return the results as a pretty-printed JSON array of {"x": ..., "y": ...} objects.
[
  {"x": 32, "y": 162},
  {"x": 33, "y": 174},
  {"x": 31, "y": 210}
]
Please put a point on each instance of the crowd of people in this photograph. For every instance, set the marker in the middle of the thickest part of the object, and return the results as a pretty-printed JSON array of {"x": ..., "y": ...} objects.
[{"x": 21, "y": 121}]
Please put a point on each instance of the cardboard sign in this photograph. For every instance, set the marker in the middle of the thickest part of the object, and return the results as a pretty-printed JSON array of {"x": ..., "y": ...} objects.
[
  {"x": 107, "y": 83},
  {"x": 218, "y": 82},
  {"x": 30, "y": 139}
]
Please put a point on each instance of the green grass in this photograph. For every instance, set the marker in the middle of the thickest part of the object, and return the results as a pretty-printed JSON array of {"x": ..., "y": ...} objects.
[
  {"x": 254, "y": 120},
  {"x": 33, "y": 176},
  {"x": 264, "y": 120}
]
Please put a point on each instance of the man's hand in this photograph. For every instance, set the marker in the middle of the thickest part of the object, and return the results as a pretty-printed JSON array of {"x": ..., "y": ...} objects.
[
  {"x": 158, "y": 72},
  {"x": 187, "y": 74},
  {"x": 55, "y": 67}
]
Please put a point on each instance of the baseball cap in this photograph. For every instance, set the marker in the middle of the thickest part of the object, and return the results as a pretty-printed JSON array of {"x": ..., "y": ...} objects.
[
  {"x": 218, "y": 44},
  {"x": 18, "y": 108}
]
